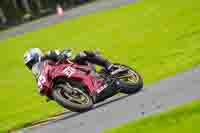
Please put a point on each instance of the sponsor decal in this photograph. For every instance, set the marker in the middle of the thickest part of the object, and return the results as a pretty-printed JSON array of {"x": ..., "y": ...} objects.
[{"x": 102, "y": 88}]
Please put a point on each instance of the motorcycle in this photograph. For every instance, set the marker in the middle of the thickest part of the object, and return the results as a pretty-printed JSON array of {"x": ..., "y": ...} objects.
[{"x": 78, "y": 87}]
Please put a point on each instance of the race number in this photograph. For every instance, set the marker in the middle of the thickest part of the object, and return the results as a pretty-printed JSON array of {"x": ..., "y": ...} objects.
[
  {"x": 69, "y": 71},
  {"x": 41, "y": 81}
]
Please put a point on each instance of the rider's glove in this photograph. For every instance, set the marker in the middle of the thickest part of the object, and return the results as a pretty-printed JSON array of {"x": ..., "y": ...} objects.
[{"x": 65, "y": 54}]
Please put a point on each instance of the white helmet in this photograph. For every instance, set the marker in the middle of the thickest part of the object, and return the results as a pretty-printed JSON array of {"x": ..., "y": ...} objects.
[{"x": 32, "y": 56}]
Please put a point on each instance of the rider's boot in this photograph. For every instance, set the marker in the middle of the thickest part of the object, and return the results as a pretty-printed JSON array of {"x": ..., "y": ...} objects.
[{"x": 113, "y": 69}]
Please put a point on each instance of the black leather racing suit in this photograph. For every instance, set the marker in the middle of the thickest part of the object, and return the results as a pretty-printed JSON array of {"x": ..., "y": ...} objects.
[
  {"x": 92, "y": 57},
  {"x": 82, "y": 58}
]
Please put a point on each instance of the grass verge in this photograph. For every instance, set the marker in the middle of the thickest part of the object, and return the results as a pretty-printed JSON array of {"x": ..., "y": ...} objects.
[
  {"x": 184, "y": 119},
  {"x": 158, "y": 38}
]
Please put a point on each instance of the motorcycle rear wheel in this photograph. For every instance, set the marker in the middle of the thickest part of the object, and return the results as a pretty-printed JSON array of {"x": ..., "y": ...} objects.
[
  {"x": 130, "y": 82},
  {"x": 78, "y": 102}
]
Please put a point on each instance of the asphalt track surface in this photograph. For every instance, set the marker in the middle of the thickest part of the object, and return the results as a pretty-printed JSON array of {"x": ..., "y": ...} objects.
[
  {"x": 72, "y": 13},
  {"x": 167, "y": 93}
]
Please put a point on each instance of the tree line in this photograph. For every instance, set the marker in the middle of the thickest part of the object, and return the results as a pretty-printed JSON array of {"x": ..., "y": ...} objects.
[{"x": 14, "y": 12}]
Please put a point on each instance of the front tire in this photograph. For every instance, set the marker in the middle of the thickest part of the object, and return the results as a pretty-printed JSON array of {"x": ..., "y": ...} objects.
[{"x": 62, "y": 97}]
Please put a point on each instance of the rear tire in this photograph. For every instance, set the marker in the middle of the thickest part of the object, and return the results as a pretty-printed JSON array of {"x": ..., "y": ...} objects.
[
  {"x": 130, "y": 88},
  {"x": 66, "y": 103}
]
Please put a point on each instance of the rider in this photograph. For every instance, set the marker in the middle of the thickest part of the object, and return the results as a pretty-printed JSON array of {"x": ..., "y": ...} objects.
[{"x": 34, "y": 58}]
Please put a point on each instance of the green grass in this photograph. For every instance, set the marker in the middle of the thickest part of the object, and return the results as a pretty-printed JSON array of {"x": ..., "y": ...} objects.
[
  {"x": 184, "y": 119},
  {"x": 159, "y": 38}
]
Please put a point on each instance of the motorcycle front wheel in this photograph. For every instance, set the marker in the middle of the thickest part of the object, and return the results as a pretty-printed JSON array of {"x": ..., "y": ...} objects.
[{"x": 72, "y": 98}]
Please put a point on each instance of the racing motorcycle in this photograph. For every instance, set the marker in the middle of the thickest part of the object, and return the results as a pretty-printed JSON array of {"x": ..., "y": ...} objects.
[{"x": 78, "y": 87}]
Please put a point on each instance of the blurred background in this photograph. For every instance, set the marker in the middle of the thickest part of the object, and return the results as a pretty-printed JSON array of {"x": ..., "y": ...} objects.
[{"x": 15, "y": 12}]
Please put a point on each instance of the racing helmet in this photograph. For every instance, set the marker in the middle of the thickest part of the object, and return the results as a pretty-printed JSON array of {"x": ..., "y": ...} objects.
[{"x": 32, "y": 56}]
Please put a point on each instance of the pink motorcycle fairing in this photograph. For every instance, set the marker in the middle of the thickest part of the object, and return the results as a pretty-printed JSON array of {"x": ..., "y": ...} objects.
[{"x": 68, "y": 70}]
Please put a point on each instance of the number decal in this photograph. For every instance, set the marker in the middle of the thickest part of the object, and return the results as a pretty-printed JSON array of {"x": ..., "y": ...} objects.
[
  {"x": 69, "y": 71},
  {"x": 41, "y": 81}
]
